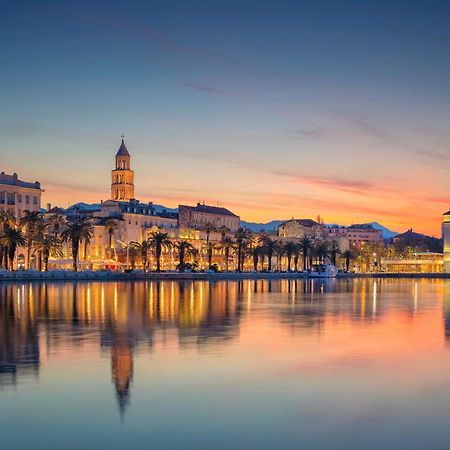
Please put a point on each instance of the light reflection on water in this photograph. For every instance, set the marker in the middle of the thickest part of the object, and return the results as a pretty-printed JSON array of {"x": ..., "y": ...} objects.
[{"x": 248, "y": 364}]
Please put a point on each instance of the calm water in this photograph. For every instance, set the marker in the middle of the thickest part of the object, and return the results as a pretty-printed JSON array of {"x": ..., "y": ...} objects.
[{"x": 339, "y": 364}]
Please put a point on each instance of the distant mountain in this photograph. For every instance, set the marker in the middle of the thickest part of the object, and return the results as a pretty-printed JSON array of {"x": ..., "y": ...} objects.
[
  {"x": 387, "y": 233},
  {"x": 162, "y": 208},
  {"x": 254, "y": 226}
]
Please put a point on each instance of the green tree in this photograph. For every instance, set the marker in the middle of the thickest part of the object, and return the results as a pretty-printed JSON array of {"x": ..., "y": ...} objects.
[
  {"x": 240, "y": 237},
  {"x": 158, "y": 242},
  {"x": 184, "y": 249},
  {"x": 29, "y": 221},
  {"x": 11, "y": 238},
  {"x": 49, "y": 245},
  {"x": 348, "y": 255},
  {"x": 226, "y": 245},
  {"x": 306, "y": 245},
  {"x": 76, "y": 231},
  {"x": 290, "y": 249},
  {"x": 334, "y": 251},
  {"x": 270, "y": 247},
  {"x": 111, "y": 226}
]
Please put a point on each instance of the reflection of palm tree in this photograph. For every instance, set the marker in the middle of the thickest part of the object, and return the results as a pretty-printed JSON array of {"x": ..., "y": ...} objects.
[{"x": 159, "y": 241}]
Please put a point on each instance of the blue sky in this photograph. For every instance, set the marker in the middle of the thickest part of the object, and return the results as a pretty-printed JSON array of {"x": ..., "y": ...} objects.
[{"x": 275, "y": 109}]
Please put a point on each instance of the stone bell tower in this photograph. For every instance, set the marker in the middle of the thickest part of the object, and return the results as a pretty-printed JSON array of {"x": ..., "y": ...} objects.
[{"x": 122, "y": 184}]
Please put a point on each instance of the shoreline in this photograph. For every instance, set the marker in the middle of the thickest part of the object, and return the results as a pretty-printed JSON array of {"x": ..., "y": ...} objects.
[{"x": 175, "y": 276}]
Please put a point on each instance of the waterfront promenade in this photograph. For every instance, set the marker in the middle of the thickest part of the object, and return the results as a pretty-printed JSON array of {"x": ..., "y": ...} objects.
[{"x": 61, "y": 275}]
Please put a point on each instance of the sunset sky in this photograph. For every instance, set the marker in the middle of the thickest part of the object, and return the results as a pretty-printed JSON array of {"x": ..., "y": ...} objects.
[{"x": 272, "y": 109}]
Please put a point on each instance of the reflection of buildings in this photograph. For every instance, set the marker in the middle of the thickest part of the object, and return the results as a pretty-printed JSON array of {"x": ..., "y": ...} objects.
[{"x": 19, "y": 338}]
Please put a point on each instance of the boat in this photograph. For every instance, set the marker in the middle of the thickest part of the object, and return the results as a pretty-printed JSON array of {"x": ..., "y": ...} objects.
[{"x": 323, "y": 271}]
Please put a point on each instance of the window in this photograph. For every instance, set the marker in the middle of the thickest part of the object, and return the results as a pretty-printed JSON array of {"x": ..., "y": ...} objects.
[
  {"x": 27, "y": 199},
  {"x": 35, "y": 200},
  {"x": 20, "y": 198}
]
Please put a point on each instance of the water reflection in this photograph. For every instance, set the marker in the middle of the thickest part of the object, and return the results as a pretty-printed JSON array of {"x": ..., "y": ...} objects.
[{"x": 122, "y": 318}]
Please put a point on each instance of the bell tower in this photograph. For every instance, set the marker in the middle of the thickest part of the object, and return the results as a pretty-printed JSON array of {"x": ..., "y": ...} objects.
[{"x": 122, "y": 177}]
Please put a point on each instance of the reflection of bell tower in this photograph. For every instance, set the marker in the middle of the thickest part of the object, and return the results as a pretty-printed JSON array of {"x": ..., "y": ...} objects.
[
  {"x": 122, "y": 184},
  {"x": 122, "y": 373}
]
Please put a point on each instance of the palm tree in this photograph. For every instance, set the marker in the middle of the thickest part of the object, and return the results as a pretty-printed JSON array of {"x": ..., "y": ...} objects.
[
  {"x": 226, "y": 245},
  {"x": 297, "y": 253},
  {"x": 142, "y": 250},
  {"x": 49, "y": 245},
  {"x": 347, "y": 255},
  {"x": 223, "y": 230},
  {"x": 270, "y": 247},
  {"x": 133, "y": 250},
  {"x": 240, "y": 237},
  {"x": 255, "y": 252},
  {"x": 158, "y": 241},
  {"x": 209, "y": 227},
  {"x": 334, "y": 251},
  {"x": 56, "y": 222},
  {"x": 290, "y": 249},
  {"x": 306, "y": 245},
  {"x": 11, "y": 238},
  {"x": 111, "y": 226},
  {"x": 28, "y": 222},
  {"x": 75, "y": 231},
  {"x": 322, "y": 251},
  {"x": 7, "y": 220},
  {"x": 183, "y": 248},
  {"x": 39, "y": 230}
]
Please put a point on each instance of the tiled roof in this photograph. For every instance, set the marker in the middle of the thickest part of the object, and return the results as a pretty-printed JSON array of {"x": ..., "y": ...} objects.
[
  {"x": 210, "y": 209},
  {"x": 309, "y": 223}
]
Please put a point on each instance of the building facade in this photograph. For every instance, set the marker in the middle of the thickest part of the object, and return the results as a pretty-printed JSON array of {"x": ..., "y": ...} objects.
[
  {"x": 17, "y": 196},
  {"x": 299, "y": 228},
  {"x": 446, "y": 237},
  {"x": 201, "y": 216},
  {"x": 122, "y": 177}
]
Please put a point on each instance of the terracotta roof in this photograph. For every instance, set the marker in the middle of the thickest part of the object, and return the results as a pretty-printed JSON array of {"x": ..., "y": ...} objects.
[{"x": 123, "y": 151}]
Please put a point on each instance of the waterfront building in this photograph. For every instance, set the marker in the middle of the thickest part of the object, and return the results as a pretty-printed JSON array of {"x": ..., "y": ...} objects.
[
  {"x": 122, "y": 177},
  {"x": 299, "y": 228},
  {"x": 420, "y": 262},
  {"x": 446, "y": 237},
  {"x": 17, "y": 196},
  {"x": 201, "y": 216},
  {"x": 360, "y": 234}
]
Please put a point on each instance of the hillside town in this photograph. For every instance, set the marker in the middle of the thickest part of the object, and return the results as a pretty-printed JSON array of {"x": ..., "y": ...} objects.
[{"x": 124, "y": 234}]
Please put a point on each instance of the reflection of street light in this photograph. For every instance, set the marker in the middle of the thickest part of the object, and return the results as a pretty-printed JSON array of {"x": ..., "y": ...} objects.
[{"x": 128, "y": 251}]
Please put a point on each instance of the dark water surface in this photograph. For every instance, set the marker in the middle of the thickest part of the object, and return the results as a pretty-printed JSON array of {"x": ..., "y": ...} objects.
[{"x": 340, "y": 364}]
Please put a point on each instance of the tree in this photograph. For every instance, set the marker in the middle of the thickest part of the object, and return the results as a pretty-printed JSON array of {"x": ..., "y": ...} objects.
[
  {"x": 334, "y": 251},
  {"x": 75, "y": 231},
  {"x": 56, "y": 222},
  {"x": 347, "y": 255},
  {"x": 270, "y": 247},
  {"x": 7, "y": 220},
  {"x": 111, "y": 226},
  {"x": 223, "y": 230},
  {"x": 306, "y": 245},
  {"x": 49, "y": 245},
  {"x": 209, "y": 228},
  {"x": 322, "y": 251},
  {"x": 226, "y": 245},
  {"x": 40, "y": 229},
  {"x": 240, "y": 237},
  {"x": 184, "y": 248},
  {"x": 11, "y": 238},
  {"x": 28, "y": 222},
  {"x": 290, "y": 249},
  {"x": 158, "y": 241}
]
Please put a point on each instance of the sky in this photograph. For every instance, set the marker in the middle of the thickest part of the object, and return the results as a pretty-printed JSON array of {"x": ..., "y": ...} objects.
[{"x": 273, "y": 109}]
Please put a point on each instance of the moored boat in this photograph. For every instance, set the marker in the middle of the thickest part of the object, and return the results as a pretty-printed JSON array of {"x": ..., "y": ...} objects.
[{"x": 323, "y": 271}]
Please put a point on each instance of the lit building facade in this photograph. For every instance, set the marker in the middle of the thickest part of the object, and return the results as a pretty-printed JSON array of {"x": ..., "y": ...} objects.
[
  {"x": 17, "y": 196},
  {"x": 201, "y": 216},
  {"x": 446, "y": 238},
  {"x": 299, "y": 228}
]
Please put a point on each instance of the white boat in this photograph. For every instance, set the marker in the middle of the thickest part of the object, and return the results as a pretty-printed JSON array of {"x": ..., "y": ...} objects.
[{"x": 323, "y": 271}]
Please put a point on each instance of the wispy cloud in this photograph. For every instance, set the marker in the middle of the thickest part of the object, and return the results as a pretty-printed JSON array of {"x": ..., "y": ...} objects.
[{"x": 207, "y": 89}]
